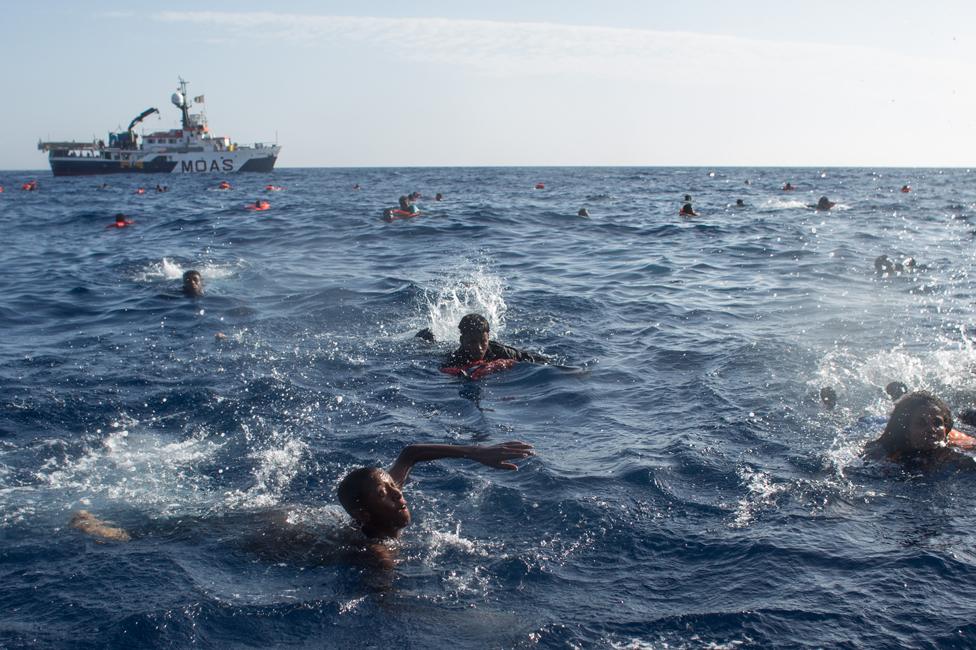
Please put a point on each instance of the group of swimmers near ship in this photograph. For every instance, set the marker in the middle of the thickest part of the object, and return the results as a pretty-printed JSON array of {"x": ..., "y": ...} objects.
[{"x": 920, "y": 429}]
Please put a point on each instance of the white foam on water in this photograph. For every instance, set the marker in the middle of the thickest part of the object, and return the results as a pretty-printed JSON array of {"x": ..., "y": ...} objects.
[
  {"x": 275, "y": 466},
  {"x": 762, "y": 492},
  {"x": 168, "y": 269},
  {"x": 130, "y": 466},
  {"x": 466, "y": 291},
  {"x": 776, "y": 203}
]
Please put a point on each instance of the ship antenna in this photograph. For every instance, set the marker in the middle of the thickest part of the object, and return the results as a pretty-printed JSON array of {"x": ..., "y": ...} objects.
[{"x": 185, "y": 106}]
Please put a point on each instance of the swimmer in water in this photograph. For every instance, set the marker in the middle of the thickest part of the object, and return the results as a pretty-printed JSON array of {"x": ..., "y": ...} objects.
[
  {"x": 356, "y": 186},
  {"x": 373, "y": 497},
  {"x": 788, "y": 187},
  {"x": 905, "y": 189},
  {"x": 438, "y": 196},
  {"x": 828, "y": 397},
  {"x": 89, "y": 524},
  {"x": 823, "y": 204},
  {"x": 885, "y": 266},
  {"x": 120, "y": 221},
  {"x": 476, "y": 346},
  {"x": 192, "y": 284},
  {"x": 895, "y": 390},
  {"x": 583, "y": 212},
  {"x": 687, "y": 198},
  {"x": 687, "y": 211},
  {"x": 739, "y": 203},
  {"x": 920, "y": 428}
]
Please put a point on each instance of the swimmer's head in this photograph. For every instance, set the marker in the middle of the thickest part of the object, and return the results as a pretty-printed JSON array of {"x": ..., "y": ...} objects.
[
  {"x": 824, "y": 203},
  {"x": 583, "y": 212},
  {"x": 687, "y": 198},
  {"x": 896, "y": 389},
  {"x": 474, "y": 335},
  {"x": 828, "y": 397},
  {"x": 883, "y": 264},
  {"x": 438, "y": 196},
  {"x": 193, "y": 283},
  {"x": 920, "y": 421},
  {"x": 375, "y": 501},
  {"x": 120, "y": 219},
  {"x": 739, "y": 203}
]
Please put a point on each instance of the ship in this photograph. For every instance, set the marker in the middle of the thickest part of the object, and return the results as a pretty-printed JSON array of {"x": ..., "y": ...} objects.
[{"x": 191, "y": 149}]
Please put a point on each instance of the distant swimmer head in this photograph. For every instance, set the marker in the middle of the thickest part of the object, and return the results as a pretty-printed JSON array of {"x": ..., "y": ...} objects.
[
  {"x": 687, "y": 211},
  {"x": 739, "y": 203},
  {"x": 920, "y": 422},
  {"x": 474, "y": 330},
  {"x": 895, "y": 390},
  {"x": 193, "y": 283},
  {"x": 828, "y": 397},
  {"x": 404, "y": 202},
  {"x": 375, "y": 501},
  {"x": 121, "y": 221},
  {"x": 687, "y": 198},
  {"x": 438, "y": 196},
  {"x": 905, "y": 189},
  {"x": 788, "y": 187},
  {"x": 883, "y": 265},
  {"x": 583, "y": 212},
  {"x": 824, "y": 203}
]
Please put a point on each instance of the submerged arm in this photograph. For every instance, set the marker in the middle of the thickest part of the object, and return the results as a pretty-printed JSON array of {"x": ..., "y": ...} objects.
[{"x": 498, "y": 456}]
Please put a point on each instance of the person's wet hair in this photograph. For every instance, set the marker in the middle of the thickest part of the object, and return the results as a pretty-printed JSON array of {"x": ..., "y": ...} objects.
[
  {"x": 828, "y": 397},
  {"x": 897, "y": 429},
  {"x": 896, "y": 389},
  {"x": 474, "y": 324},
  {"x": 883, "y": 264},
  {"x": 353, "y": 486}
]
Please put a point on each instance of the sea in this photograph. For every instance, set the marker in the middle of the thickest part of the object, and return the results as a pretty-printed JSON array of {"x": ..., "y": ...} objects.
[{"x": 689, "y": 489}]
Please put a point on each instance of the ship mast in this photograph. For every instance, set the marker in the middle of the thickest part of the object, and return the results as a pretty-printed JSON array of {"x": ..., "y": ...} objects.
[{"x": 182, "y": 101}]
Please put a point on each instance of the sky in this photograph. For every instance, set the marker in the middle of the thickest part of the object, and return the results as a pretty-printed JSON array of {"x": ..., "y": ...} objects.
[{"x": 567, "y": 82}]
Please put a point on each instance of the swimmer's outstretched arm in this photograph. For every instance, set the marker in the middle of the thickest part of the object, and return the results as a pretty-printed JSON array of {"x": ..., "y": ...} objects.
[{"x": 498, "y": 456}]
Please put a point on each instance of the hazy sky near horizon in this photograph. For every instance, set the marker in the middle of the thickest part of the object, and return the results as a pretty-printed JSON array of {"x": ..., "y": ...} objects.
[{"x": 617, "y": 82}]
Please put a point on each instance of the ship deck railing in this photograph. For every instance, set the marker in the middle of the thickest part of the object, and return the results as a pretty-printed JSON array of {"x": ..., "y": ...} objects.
[{"x": 62, "y": 146}]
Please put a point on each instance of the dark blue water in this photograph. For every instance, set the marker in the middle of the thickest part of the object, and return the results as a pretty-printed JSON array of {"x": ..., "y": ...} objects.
[{"x": 687, "y": 492}]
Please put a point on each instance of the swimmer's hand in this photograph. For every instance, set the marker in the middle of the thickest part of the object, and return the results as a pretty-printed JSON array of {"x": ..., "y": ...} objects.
[{"x": 498, "y": 456}]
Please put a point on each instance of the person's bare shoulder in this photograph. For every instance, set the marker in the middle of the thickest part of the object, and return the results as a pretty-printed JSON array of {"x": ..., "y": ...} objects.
[{"x": 89, "y": 524}]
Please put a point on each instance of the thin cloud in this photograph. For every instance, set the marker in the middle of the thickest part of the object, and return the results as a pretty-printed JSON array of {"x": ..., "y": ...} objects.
[{"x": 527, "y": 49}]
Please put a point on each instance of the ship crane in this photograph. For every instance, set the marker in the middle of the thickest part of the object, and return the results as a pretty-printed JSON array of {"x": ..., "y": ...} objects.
[{"x": 140, "y": 117}]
